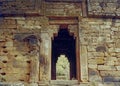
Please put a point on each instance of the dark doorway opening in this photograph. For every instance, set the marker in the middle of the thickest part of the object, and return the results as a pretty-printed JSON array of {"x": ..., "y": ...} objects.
[{"x": 64, "y": 44}]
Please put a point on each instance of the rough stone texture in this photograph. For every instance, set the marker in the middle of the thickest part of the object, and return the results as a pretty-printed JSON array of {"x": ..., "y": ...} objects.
[
  {"x": 69, "y": 9},
  {"x": 103, "y": 52},
  {"x": 83, "y": 61},
  {"x": 19, "y": 7},
  {"x": 25, "y": 43},
  {"x": 104, "y": 7}
]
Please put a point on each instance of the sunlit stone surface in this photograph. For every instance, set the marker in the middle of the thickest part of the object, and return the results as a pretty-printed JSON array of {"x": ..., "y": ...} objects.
[{"x": 27, "y": 28}]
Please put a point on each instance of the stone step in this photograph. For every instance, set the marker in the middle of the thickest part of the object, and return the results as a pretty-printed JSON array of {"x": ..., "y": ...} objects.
[
  {"x": 60, "y": 83},
  {"x": 64, "y": 82}
]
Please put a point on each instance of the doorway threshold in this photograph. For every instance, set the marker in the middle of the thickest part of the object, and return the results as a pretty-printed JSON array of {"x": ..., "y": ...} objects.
[{"x": 64, "y": 82}]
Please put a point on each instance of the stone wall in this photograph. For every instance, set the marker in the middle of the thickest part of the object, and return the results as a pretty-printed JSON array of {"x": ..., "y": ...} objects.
[
  {"x": 19, "y": 48},
  {"x": 65, "y": 9},
  {"x": 20, "y": 7},
  {"x": 100, "y": 37},
  {"x": 25, "y": 51},
  {"x": 104, "y": 8}
]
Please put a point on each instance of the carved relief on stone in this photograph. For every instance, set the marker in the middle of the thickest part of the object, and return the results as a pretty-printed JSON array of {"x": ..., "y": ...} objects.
[
  {"x": 26, "y": 42},
  {"x": 73, "y": 29},
  {"x": 28, "y": 46},
  {"x": 53, "y": 30}
]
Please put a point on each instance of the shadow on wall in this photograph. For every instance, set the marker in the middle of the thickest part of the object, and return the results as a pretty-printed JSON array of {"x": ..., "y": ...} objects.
[
  {"x": 26, "y": 43},
  {"x": 94, "y": 76},
  {"x": 31, "y": 38},
  {"x": 111, "y": 79},
  {"x": 44, "y": 63}
]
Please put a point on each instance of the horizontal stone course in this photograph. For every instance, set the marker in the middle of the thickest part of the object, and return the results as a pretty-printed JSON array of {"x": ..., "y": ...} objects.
[
  {"x": 98, "y": 38},
  {"x": 105, "y": 67},
  {"x": 110, "y": 73},
  {"x": 103, "y": 7}
]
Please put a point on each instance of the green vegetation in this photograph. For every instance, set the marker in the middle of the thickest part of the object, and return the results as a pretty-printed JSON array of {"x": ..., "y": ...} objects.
[{"x": 62, "y": 67}]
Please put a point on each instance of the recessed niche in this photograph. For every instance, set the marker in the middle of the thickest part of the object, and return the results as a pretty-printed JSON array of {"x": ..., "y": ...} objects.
[
  {"x": 5, "y": 51},
  {"x": 101, "y": 49},
  {"x": 3, "y": 73},
  {"x": 21, "y": 80},
  {"x": 3, "y": 46},
  {"x": 4, "y": 61},
  {"x": 29, "y": 51},
  {"x": 27, "y": 73},
  {"x": 15, "y": 55},
  {"x": 28, "y": 62}
]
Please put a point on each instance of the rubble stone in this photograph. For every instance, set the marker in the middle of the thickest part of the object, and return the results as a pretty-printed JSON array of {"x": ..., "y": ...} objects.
[{"x": 29, "y": 26}]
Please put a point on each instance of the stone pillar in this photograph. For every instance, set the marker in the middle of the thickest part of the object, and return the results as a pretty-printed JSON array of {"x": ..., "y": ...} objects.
[
  {"x": 34, "y": 69},
  {"x": 34, "y": 65},
  {"x": 45, "y": 55},
  {"x": 83, "y": 63}
]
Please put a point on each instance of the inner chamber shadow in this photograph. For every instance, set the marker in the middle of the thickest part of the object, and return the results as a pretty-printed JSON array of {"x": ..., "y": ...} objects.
[{"x": 64, "y": 44}]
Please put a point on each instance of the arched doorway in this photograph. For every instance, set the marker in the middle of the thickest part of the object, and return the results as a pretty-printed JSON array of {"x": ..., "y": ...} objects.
[
  {"x": 65, "y": 44},
  {"x": 62, "y": 68}
]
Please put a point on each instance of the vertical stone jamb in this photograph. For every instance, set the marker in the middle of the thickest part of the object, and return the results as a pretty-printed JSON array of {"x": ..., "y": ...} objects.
[
  {"x": 83, "y": 57},
  {"x": 84, "y": 8},
  {"x": 78, "y": 54},
  {"x": 34, "y": 65},
  {"x": 83, "y": 63}
]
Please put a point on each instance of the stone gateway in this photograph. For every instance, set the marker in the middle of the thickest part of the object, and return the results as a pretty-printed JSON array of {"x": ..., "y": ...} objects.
[{"x": 59, "y": 43}]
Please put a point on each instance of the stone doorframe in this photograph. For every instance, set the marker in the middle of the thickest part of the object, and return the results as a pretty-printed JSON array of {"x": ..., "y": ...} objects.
[
  {"x": 81, "y": 50},
  {"x": 74, "y": 28}
]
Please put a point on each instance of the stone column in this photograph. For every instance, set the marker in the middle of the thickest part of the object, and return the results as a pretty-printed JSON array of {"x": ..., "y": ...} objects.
[
  {"x": 34, "y": 65},
  {"x": 45, "y": 57},
  {"x": 34, "y": 69},
  {"x": 83, "y": 63}
]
